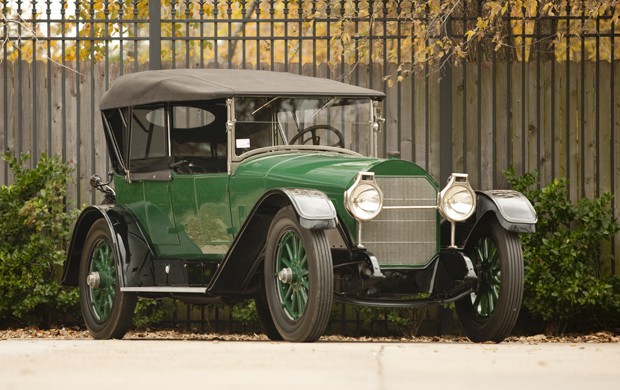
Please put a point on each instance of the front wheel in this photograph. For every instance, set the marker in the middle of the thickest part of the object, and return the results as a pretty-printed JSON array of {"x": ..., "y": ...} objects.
[
  {"x": 107, "y": 311},
  {"x": 298, "y": 278},
  {"x": 490, "y": 312}
]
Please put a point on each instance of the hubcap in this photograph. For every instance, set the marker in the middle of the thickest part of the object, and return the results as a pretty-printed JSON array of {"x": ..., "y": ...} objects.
[
  {"x": 93, "y": 280},
  {"x": 292, "y": 279},
  {"x": 102, "y": 280},
  {"x": 486, "y": 258},
  {"x": 286, "y": 275}
]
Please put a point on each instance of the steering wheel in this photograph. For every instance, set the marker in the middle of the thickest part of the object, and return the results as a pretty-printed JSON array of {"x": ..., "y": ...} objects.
[
  {"x": 316, "y": 140},
  {"x": 186, "y": 167}
]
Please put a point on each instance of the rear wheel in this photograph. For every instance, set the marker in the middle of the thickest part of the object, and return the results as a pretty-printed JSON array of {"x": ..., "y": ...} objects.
[
  {"x": 298, "y": 278},
  {"x": 490, "y": 312},
  {"x": 106, "y": 310}
]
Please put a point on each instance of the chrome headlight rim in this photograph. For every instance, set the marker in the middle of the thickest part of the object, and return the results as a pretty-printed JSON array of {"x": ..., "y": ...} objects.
[
  {"x": 364, "y": 199},
  {"x": 457, "y": 187}
]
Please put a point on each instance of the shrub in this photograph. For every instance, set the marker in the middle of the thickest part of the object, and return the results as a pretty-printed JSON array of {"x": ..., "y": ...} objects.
[
  {"x": 152, "y": 312},
  {"x": 564, "y": 285},
  {"x": 35, "y": 228}
]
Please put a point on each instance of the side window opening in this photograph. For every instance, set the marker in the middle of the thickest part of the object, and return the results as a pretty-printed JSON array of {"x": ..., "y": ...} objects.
[
  {"x": 199, "y": 137},
  {"x": 148, "y": 144},
  {"x": 116, "y": 137}
]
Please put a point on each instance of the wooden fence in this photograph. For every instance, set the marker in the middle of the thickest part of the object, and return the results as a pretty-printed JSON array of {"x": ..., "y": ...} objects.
[{"x": 560, "y": 119}]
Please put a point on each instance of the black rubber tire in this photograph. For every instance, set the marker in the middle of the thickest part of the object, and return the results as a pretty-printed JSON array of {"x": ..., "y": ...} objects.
[
  {"x": 505, "y": 271},
  {"x": 263, "y": 313},
  {"x": 310, "y": 324},
  {"x": 119, "y": 318},
  {"x": 313, "y": 129}
]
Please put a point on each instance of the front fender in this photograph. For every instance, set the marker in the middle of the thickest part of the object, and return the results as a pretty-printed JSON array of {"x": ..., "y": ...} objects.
[
  {"x": 314, "y": 208},
  {"x": 315, "y": 211},
  {"x": 512, "y": 209}
]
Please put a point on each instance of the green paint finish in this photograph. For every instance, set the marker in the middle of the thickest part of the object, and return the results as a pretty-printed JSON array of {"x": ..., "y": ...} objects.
[
  {"x": 331, "y": 173},
  {"x": 150, "y": 202},
  {"x": 198, "y": 215},
  {"x": 201, "y": 208},
  {"x": 292, "y": 274},
  {"x": 102, "y": 263}
]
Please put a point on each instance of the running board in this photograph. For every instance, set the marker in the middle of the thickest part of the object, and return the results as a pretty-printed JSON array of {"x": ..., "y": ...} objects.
[{"x": 166, "y": 289}]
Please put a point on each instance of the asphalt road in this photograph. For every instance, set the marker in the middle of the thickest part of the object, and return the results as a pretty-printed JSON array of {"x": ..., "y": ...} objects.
[{"x": 175, "y": 364}]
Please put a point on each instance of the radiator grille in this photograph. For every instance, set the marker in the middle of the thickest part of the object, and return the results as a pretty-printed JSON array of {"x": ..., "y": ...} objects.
[{"x": 403, "y": 236}]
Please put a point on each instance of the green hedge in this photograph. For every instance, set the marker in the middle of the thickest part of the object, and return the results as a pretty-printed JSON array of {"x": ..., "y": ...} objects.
[
  {"x": 35, "y": 227},
  {"x": 565, "y": 285}
]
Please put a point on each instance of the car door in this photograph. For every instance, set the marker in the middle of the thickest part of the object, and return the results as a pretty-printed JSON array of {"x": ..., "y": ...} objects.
[{"x": 199, "y": 186}]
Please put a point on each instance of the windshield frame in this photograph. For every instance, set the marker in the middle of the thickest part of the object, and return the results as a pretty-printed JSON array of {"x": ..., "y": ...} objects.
[{"x": 370, "y": 129}]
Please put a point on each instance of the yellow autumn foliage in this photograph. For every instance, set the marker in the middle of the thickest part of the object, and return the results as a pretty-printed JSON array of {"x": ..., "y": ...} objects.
[{"x": 304, "y": 31}]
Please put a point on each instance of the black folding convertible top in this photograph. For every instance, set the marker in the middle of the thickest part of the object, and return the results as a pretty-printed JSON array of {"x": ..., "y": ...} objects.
[{"x": 171, "y": 85}]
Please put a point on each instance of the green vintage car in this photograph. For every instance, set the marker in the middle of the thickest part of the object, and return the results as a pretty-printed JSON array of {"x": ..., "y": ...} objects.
[{"x": 237, "y": 184}]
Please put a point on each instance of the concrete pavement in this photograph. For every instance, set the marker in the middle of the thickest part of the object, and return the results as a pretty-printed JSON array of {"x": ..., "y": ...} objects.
[{"x": 172, "y": 364}]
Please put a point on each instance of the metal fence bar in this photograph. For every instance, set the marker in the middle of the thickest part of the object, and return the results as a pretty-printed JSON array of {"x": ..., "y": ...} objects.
[{"x": 155, "y": 35}]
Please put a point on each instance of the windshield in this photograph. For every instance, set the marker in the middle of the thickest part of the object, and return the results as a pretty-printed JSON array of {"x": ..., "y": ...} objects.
[{"x": 326, "y": 121}]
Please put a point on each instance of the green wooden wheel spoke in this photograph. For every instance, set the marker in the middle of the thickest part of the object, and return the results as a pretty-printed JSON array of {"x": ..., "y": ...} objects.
[
  {"x": 102, "y": 297},
  {"x": 294, "y": 293},
  {"x": 485, "y": 299}
]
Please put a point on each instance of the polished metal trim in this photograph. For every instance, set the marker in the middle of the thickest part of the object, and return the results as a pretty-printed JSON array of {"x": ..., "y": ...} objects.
[
  {"x": 166, "y": 289},
  {"x": 408, "y": 207}
]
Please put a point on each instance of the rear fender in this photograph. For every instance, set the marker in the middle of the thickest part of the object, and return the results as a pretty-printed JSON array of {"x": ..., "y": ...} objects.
[
  {"x": 129, "y": 242},
  {"x": 315, "y": 211}
]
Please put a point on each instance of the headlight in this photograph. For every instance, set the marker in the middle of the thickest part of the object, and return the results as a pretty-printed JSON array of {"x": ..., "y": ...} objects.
[
  {"x": 364, "y": 199},
  {"x": 457, "y": 201}
]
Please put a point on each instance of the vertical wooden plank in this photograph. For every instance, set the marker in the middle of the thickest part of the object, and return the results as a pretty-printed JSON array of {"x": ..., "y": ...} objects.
[
  {"x": 99, "y": 147},
  {"x": 5, "y": 133},
  {"x": 457, "y": 116},
  {"x": 605, "y": 170},
  {"x": 503, "y": 119},
  {"x": 41, "y": 105},
  {"x": 487, "y": 128},
  {"x": 362, "y": 140},
  {"x": 86, "y": 145},
  {"x": 606, "y": 148},
  {"x": 406, "y": 125},
  {"x": 12, "y": 107},
  {"x": 532, "y": 131},
  {"x": 434, "y": 141},
  {"x": 545, "y": 131},
  {"x": 590, "y": 149},
  {"x": 560, "y": 112},
  {"x": 574, "y": 129},
  {"x": 472, "y": 138},
  {"x": 390, "y": 109},
  {"x": 420, "y": 101},
  {"x": 516, "y": 119},
  {"x": 55, "y": 84},
  {"x": 26, "y": 128},
  {"x": 71, "y": 131}
]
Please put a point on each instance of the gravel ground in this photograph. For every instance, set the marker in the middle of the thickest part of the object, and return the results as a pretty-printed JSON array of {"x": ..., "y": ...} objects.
[{"x": 77, "y": 333}]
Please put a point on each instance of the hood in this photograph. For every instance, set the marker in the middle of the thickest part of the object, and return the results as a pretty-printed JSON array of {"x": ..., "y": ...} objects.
[{"x": 329, "y": 172}]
